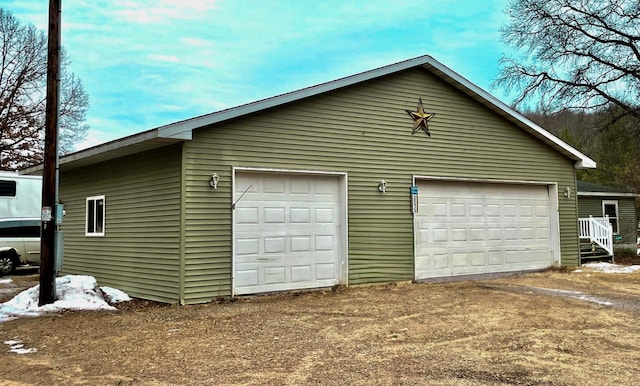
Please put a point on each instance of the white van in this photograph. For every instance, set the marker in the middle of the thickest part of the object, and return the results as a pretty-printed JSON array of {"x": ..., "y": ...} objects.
[
  {"x": 20, "y": 202},
  {"x": 20, "y": 196},
  {"x": 19, "y": 243}
]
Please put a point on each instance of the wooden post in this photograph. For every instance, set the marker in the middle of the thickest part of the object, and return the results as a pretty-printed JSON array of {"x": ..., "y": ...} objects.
[{"x": 49, "y": 183}]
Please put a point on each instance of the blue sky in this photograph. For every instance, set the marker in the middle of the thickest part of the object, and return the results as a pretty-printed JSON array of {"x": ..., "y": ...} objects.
[{"x": 145, "y": 64}]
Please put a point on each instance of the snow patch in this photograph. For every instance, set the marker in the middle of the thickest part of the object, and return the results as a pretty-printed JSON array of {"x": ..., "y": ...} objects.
[
  {"x": 74, "y": 292},
  {"x": 574, "y": 295},
  {"x": 113, "y": 295},
  {"x": 16, "y": 346},
  {"x": 612, "y": 268}
]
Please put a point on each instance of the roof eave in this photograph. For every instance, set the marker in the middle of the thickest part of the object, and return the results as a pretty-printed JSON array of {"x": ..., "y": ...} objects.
[
  {"x": 145, "y": 140},
  {"x": 581, "y": 160},
  {"x": 180, "y": 131},
  {"x": 607, "y": 194}
]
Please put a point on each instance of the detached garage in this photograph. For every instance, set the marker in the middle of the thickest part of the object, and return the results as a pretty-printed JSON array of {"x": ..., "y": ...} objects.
[{"x": 405, "y": 172}]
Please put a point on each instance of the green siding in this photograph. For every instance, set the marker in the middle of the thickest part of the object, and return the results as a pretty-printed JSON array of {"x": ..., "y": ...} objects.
[
  {"x": 592, "y": 206},
  {"x": 140, "y": 252},
  {"x": 362, "y": 130}
]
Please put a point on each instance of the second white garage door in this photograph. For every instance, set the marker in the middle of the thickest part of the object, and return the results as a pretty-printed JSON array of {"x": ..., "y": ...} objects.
[
  {"x": 466, "y": 228},
  {"x": 287, "y": 232}
]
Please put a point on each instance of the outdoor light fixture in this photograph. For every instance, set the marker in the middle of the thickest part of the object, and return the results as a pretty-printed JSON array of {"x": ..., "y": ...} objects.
[
  {"x": 382, "y": 186},
  {"x": 214, "y": 181},
  {"x": 567, "y": 192}
]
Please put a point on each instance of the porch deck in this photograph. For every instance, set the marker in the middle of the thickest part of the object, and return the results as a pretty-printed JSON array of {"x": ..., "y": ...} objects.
[{"x": 596, "y": 239}]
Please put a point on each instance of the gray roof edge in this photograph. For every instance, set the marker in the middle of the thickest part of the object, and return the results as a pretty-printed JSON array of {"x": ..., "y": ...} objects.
[
  {"x": 582, "y": 161},
  {"x": 99, "y": 149}
]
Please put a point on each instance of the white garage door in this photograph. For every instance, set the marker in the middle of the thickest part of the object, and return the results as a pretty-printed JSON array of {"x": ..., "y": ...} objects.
[
  {"x": 287, "y": 232},
  {"x": 476, "y": 228}
]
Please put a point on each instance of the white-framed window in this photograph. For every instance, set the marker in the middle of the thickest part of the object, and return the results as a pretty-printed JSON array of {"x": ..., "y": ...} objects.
[
  {"x": 610, "y": 208},
  {"x": 95, "y": 216}
]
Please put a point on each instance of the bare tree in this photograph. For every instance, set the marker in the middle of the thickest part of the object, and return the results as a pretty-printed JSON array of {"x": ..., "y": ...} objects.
[
  {"x": 23, "y": 72},
  {"x": 575, "y": 54}
]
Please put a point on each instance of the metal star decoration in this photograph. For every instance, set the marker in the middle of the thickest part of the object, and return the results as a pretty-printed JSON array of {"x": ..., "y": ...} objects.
[{"x": 420, "y": 119}]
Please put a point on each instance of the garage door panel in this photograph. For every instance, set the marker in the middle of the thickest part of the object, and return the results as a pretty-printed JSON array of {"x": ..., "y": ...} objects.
[
  {"x": 247, "y": 215},
  {"x": 286, "y": 232},
  {"x": 248, "y": 246},
  {"x": 300, "y": 243},
  {"x": 325, "y": 271},
  {"x": 274, "y": 274},
  {"x": 300, "y": 273},
  {"x": 496, "y": 257},
  {"x": 246, "y": 277},
  {"x": 300, "y": 215},
  {"x": 274, "y": 245},
  {"x": 527, "y": 233},
  {"x": 476, "y": 234},
  {"x": 440, "y": 261},
  {"x": 469, "y": 228},
  {"x": 300, "y": 186},
  {"x": 440, "y": 235}
]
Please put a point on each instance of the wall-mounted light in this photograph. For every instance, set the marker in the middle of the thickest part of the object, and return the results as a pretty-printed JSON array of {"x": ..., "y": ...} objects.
[
  {"x": 214, "y": 181},
  {"x": 567, "y": 192},
  {"x": 382, "y": 186}
]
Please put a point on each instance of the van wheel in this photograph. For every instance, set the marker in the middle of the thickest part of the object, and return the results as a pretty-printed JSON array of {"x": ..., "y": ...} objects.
[{"x": 7, "y": 264}]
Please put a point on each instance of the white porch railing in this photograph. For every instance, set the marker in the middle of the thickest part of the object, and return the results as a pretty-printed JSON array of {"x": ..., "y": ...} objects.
[{"x": 598, "y": 230}]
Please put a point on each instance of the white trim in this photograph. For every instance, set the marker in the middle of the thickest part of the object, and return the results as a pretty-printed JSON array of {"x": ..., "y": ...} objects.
[
  {"x": 554, "y": 212},
  {"x": 607, "y": 194},
  {"x": 86, "y": 216},
  {"x": 617, "y": 217},
  {"x": 554, "y": 216},
  {"x": 233, "y": 231},
  {"x": 343, "y": 227},
  {"x": 287, "y": 171},
  {"x": 484, "y": 180}
]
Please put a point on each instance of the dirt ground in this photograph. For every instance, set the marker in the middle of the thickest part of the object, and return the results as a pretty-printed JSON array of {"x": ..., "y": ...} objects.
[{"x": 551, "y": 328}]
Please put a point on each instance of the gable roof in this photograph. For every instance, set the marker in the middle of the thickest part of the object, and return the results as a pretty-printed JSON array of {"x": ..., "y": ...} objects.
[
  {"x": 591, "y": 189},
  {"x": 182, "y": 130}
]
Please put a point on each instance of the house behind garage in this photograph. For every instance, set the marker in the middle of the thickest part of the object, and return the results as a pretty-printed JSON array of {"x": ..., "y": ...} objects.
[
  {"x": 618, "y": 204},
  {"x": 405, "y": 172}
]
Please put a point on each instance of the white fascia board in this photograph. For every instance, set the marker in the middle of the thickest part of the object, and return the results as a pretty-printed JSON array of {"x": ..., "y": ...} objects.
[
  {"x": 582, "y": 161},
  {"x": 100, "y": 149},
  {"x": 109, "y": 146},
  {"x": 607, "y": 194}
]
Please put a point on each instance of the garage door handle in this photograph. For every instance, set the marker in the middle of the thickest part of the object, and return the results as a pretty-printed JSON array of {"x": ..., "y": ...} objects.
[{"x": 233, "y": 206}]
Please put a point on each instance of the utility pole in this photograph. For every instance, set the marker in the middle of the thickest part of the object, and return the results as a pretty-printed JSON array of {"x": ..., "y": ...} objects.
[{"x": 49, "y": 180}]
